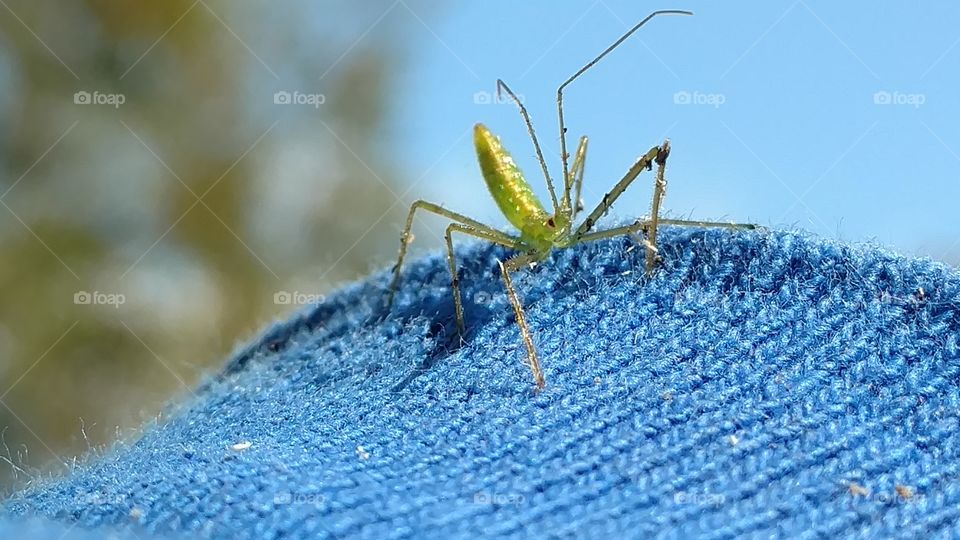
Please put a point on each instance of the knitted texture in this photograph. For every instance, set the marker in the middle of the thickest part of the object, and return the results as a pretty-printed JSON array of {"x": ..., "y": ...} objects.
[{"x": 759, "y": 384}]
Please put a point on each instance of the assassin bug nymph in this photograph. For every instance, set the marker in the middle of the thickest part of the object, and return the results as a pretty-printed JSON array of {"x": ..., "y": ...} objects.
[{"x": 540, "y": 231}]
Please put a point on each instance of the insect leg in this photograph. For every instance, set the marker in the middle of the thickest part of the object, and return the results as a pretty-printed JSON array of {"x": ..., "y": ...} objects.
[
  {"x": 722, "y": 224},
  {"x": 513, "y": 265},
  {"x": 642, "y": 225},
  {"x": 645, "y": 162},
  {"x": 635, "y": 227},
  {"x": 576, "y": 176},
  {"x": 645, "y": 225},
  {"x": 451, "y": 262},
  {"x": 638, "y": 226},
  {"x": 406, "y": 238},
  {"x": 659, "y": 188}
]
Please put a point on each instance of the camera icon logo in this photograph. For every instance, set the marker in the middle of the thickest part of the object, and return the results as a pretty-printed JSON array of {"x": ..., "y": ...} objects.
[
  {"x": 282, "y": 98},
  {"x": 882, "y": 98},
  {"x": 482, "y": 98},
  {"x": 81, "y": 98}
]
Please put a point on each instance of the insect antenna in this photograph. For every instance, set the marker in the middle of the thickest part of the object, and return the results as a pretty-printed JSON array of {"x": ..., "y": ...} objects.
[
  {"x": 590, "y": 64},
  {"x": 536, "y": 144}
]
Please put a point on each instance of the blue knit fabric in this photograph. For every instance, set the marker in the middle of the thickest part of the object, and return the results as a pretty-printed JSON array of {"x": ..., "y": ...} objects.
[{"x": 760, "y": 384}]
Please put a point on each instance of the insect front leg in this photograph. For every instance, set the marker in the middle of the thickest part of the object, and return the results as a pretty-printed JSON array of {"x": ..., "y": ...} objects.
[
  {"x": 406, "y": 237},
  {"x": 645, "y": 162},
  {"x": 659, "y": 189},
  {"x": 576, "y": 177},
  {"x": 452, "y": 264}
]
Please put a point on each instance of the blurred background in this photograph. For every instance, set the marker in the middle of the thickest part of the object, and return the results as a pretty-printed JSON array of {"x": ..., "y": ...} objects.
[{"x": 174, "y": 175}]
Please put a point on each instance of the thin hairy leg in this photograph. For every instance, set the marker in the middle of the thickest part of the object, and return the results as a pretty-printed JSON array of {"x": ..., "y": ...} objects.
[
  {"x": 659, "y": 188},
  {"x": 452, "y": 264},
  {"x": 645, "y": 162},
  {"x": 405, "y": 237},
  {"x": 576, "y": 181},
  {"x": 513, "y": 265},
  {"x": 643, "y": 226}
]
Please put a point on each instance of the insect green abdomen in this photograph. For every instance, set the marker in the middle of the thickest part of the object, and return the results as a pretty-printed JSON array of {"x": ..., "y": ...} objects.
[{"x": 505, "y": 181}]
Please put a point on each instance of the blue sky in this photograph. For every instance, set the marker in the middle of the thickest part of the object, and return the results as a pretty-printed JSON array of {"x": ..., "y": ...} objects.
[{"x": 818, "y": 115}]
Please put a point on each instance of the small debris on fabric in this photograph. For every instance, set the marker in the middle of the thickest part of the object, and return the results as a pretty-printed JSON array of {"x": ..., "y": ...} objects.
[
  {"x": 904, "y": 492},
  {"x": 856, "y": 490}
]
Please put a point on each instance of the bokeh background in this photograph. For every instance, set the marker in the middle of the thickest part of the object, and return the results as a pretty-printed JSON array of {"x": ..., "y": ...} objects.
[{"x": 174, "y": 175}]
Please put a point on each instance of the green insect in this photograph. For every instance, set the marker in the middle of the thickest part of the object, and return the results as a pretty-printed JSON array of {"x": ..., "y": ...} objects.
[{"x": 542, "y": 231}]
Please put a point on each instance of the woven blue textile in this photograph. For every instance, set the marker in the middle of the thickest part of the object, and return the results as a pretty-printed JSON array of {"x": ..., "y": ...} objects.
[{"x": 761, "y": 383}]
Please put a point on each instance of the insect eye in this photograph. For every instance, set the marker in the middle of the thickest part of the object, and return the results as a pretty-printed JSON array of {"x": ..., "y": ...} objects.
[{"x": 550, "y": 223}]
